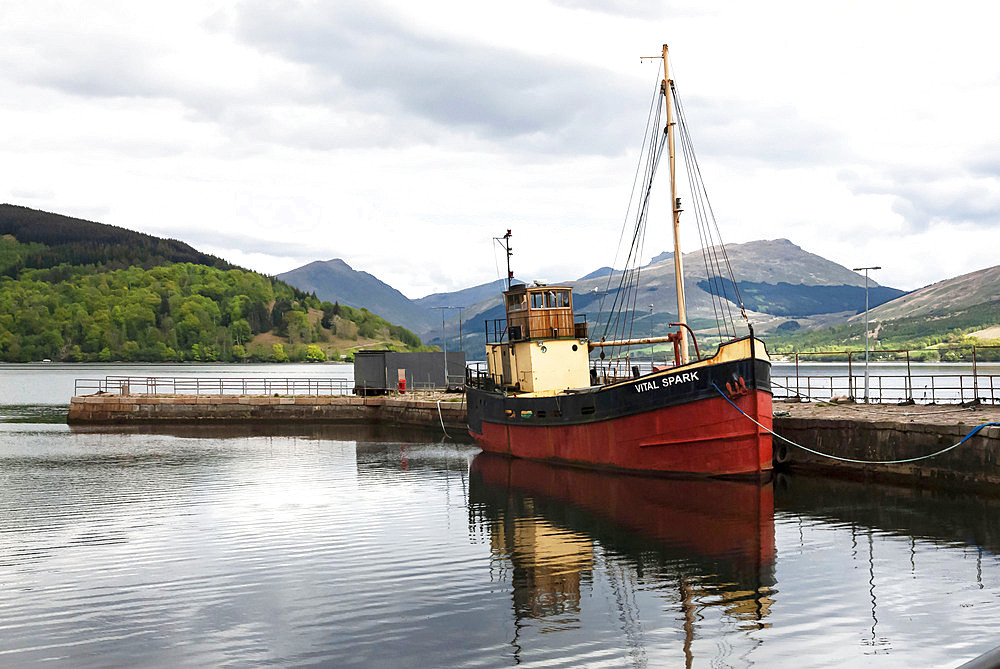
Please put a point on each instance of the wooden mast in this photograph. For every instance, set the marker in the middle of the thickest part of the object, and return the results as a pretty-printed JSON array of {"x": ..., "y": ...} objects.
[{"x": 675, "y": 204}]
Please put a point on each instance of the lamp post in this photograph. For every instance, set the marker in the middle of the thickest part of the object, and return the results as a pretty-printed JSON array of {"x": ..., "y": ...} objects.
[
  {"x": 858, "y": 269},
  {"x": 444, "y": 341},
  {"x": 444, "y": 347}
]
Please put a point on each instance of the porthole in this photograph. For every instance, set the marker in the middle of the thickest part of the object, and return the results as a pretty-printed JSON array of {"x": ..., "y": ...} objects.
[{"x": 575, "y": 347}]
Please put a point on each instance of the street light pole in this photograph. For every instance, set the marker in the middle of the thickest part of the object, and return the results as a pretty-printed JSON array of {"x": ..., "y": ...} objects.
[
  {"x": 444, "y": 341},
  {"x": 444, "y": 347},
  {"x": 858, "y": 269}
]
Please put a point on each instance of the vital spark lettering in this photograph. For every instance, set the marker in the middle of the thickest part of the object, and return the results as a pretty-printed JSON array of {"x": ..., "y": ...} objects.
[{"x": 666, "y": 381}]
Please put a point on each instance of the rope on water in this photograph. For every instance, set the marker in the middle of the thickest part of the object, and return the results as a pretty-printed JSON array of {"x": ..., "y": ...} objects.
[
  {"x": 863, "y": 462},
  {"x": 442, "y": 420}
]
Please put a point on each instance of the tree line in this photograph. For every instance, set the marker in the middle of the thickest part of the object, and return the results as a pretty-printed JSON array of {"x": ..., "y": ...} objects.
[{"x": 171, "y": 312}]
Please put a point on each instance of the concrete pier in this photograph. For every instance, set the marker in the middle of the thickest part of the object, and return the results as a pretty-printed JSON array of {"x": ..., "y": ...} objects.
[
  {"x": 112, "y": 409},
  {"x": 888, "y": 432}
]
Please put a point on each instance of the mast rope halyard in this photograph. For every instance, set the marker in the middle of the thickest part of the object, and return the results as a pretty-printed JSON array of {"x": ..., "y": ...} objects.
[
  {"x": 721, "y": 283},
  {"x": 651, "y": 120},
  {"x": 714, "y": 250},
  {"x": 621, "y": 315}
]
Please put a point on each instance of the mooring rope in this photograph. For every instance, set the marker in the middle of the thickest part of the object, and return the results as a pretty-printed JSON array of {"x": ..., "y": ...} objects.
[
  {"x": 863, "y": 462},
  {"x": 442, "y": 420}
]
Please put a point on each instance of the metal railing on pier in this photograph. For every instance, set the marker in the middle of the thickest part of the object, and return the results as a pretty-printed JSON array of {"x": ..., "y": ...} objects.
[
  {"x": 200, "y": 385},
  {"x": 889, "y": 388},
  {"x": 912, "y": 383}
]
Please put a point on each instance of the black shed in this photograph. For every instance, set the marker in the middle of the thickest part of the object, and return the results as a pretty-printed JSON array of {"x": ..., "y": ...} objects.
[{"x": 378, "y": 372}]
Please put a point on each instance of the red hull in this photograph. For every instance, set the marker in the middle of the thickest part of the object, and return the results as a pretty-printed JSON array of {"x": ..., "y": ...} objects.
[{"x": 706, "y": 436}]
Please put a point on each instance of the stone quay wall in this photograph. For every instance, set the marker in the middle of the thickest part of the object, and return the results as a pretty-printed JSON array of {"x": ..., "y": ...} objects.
[
  {"x": 882, "y": 432},
  {"x": 110, "y": 409}
]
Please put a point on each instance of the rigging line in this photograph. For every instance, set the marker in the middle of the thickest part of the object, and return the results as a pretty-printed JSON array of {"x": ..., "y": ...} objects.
[
  {"x": 646, "y": 137},
  {"x": 615, "y": 308},
  {"x": 701, "y": 238},
  {"x": 704, "y": 205},
  {"x": 496, "y": 263},
  {"x": 626, "y": 280},
  {"x": 621, "y": 299},
  {"x": 697, "y": 167},
  {"x": 725, "y": 254},
  {"x": 704, "y": 233},
  {"x": 633, "y": 287},
  {"x": 863, "y": 462}
]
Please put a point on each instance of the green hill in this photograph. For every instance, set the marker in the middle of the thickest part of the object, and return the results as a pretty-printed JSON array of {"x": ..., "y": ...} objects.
[
  {"x": 52, "y": 239},
  {"x": 82, "y": 291},
  {"x": 941, "y": 321}
]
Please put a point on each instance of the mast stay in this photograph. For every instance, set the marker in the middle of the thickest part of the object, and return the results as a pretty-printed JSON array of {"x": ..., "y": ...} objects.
[{"x": 721, "y": 283}]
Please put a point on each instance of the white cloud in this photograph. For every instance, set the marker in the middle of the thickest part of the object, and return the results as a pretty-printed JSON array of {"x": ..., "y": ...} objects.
[{"x": 404, "y": 136}]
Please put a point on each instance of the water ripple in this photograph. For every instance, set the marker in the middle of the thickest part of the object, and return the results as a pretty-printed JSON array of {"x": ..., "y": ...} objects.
[{"x": 166, "y": 550}]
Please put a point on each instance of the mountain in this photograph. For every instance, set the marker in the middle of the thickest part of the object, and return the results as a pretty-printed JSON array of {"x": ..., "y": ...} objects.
[
  {"x": 933, "y": 323},
  {"x": 666, "y": 255},
  {"x": 777, "y": 279},
  {"x": 779, "y": 260},
  {"x": 466, "y": 297},
  {"x": 598, "y": 273},
  {"x": 950, "y": 296},
  {"x": 336, "y": 281}
]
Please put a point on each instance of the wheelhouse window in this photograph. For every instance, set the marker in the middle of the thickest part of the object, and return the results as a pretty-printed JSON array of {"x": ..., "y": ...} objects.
[
  {"x": 538, "y": 300},
  {"x": 517, "y": 302},
  {"x": 557, "y": 299}
]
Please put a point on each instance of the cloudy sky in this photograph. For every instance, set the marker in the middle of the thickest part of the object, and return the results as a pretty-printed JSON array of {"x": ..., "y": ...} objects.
[{"x": 403, "y": 136}]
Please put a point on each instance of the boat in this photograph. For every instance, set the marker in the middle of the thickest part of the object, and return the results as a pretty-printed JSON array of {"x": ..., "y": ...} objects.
[{"x": 543, "y": 397}]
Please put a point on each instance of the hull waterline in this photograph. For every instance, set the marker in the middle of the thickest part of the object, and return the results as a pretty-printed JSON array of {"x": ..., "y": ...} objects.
[{"x": 678, "y": 421}]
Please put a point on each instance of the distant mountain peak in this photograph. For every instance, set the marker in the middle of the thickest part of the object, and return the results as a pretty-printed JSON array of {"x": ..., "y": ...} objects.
[
  {"x": 597, "y": 273},
  {"x": 336, "y": 281}
]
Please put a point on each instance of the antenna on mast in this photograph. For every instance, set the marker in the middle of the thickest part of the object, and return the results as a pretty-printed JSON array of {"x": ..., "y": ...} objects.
[{"x": 505, "y": 242}]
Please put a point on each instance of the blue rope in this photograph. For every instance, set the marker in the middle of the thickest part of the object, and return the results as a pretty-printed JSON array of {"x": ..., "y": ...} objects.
[{"x": 863, "y": 462}]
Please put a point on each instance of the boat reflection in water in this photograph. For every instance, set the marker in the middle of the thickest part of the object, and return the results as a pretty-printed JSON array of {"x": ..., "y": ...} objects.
[{"x": 708, "y": 542}]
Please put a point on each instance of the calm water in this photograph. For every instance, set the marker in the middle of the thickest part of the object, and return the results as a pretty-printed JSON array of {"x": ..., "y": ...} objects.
[
  {"x": 357, "y": 547},
  {"x": 347, "y": 547}
]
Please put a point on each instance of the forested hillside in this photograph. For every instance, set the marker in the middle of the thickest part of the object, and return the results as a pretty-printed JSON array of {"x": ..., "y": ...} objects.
[
  {"x": 82, "y": 301},
  {"x": 51, "y": 239}
]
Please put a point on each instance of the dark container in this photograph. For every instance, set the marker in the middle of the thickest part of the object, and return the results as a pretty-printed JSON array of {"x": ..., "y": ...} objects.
[{"x": 377, "y": 372}]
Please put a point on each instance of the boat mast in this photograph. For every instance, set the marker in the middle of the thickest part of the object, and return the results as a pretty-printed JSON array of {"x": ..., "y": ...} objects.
[{"x": 676, "y": 205}]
